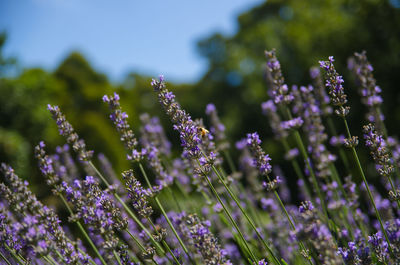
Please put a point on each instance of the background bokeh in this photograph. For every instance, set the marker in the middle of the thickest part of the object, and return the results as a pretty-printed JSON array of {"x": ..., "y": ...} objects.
[{"x": 303, "y": 32}]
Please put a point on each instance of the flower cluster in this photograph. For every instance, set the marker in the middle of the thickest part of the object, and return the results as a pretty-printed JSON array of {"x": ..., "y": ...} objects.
[
  {"x": 292, "y": 124},
  {"x": 137, "y": 194},
  {"x": 152, "y": 133},
  {"x": 279, "y": 90},
  {"x": 379, "y": 151},
  {"x": 260, "y": 160},
  {"x": 205, "y": 242},
  {"x": 47, "y": 169},
  {"x": 314, "y": 129},
  {"x": 270, "y": 110},
  {"x": 183, "y": 123},
  {"x": 38, "y": 231},
  {"x": 65, "y": 129},
  {"x": 317, "y": 233},
  {"x": 217, "y": 128},
  {"x": 119, "y": 118},
  {"x": 336, "y": 91},
  {"x": 320, "y": 92},
  {"x": 97, "y": 210},
  {"x": 368, "y": 90}
]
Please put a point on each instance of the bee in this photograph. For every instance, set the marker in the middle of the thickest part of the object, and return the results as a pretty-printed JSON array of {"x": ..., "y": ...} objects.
[{"x": 203, "y": 132}]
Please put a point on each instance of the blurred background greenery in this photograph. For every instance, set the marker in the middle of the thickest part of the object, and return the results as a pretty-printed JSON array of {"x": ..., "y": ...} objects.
[{"x": 303, "y": 32}]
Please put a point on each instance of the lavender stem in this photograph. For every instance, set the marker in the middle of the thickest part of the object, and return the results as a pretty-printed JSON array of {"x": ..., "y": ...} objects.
[
  {"x": 371, "y": 198},
  {"x": 164, "y": 213},
  {"x": 93, "y": 246}
]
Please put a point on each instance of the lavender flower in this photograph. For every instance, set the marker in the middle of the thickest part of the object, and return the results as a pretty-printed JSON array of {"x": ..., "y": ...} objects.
[
  {"x": 183, "y": 123},
  {"x": 368, "y": 89},
  {"x": 270, "y": 110},
  {"x": 217, "y": 128},
  {"x": 320, "y": 93},
  {"x": 261, "y": 161},
  {"x": 66, "y": 130},
  {"x": 336, "y": 91},
  {"x": 152, "y": 154},
  {"x": 43, "y": 221},
  {"x": 192, "y": 136},
  {"x": 337, "y": 140},
  {"x": 279, "y": 90},
  {"x": 355, "y": 253},
  {"x": 137, "y": 194},
  {"x": 379, "y": 152},
  {"x": 119, "y": 118},
  {"x": 308, "y": 108},
  {"x": 97, "y": 210},
  {"x": 379, "y": 247},
  {"x": 205, "y": 242},
  {"x": 292, "y": 124},
  {"x": 153, "y": 133},
  {"x": 292, "y": 154},
  {"x": 47, "y": 169},
  {"x": 311, "y": 228}
]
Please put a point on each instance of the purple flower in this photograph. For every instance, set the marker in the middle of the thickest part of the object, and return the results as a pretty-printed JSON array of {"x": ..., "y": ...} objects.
[
  {"x": 261, "y": 160},
  {"x": 336, "y": 91},
  {"x": 119, "y": 118},
  {"x": 279, "y": 90},
  {"x": 66, "y": 130},
  {"x": 292, "y": 124},
  {"x": 378, "y": 148},
  {"x": 204, "y": 241},
  {"x": 368, "y": 89}
]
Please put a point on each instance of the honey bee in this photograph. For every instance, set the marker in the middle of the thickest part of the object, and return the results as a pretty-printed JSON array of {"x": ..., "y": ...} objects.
[{"x": 203, "y": 132}]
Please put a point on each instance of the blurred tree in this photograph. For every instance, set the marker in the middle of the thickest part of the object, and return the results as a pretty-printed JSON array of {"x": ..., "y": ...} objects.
[{"x": 303, "y": 32}]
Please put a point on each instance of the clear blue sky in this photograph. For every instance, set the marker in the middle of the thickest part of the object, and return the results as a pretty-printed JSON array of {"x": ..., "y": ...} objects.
[{"x": 118, "y": 36}]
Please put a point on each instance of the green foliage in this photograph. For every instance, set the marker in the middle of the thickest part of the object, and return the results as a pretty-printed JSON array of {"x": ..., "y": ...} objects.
[{"x": 303, "y": 32}]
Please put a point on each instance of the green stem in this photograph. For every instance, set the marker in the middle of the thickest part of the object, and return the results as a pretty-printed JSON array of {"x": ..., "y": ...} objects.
[
  {"x": 371, "y": 198},
  {"x": 52, "y": 259},
  {"x": 297, "y": 169},
  {"x": 46, "y": 258},
  {"x": 302, "y": 247},
  {"x": 309, "y": 167},
  {"x": 254, "y": 259},
  {"x": 59, "y": 254},
  {"x": 128, "y": 210},
  {"x": 243, "y": 211},
  {"x": 230, "y": 161},
  {"x": 117, "y": 257},
  {"x": 4, "y": 258},
  {"x": 84, "y": 232},
  {"x": 164, "y": 213},
  {"x": 142, "y": 248},
  {"x": 13, "y": 253},
  {"x": 163, "y": 241},
  {"x": 393, "y": 189},
  {"x": 333, "y": 132},
  {"x": 174, "y": 198}
]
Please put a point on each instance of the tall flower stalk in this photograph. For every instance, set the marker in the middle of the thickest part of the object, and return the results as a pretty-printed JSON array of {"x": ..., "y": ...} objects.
[
  {"x": 339, "y": 100},
  {"x": 283, "y": 97},
  {"x": 119, "y": 118},
  {"x": 191, "y": 142},
  {"x": 66, "y": 130}
]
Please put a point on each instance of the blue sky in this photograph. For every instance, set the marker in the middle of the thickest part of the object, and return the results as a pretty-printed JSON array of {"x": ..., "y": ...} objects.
[{"x": 118, "y": 36}]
